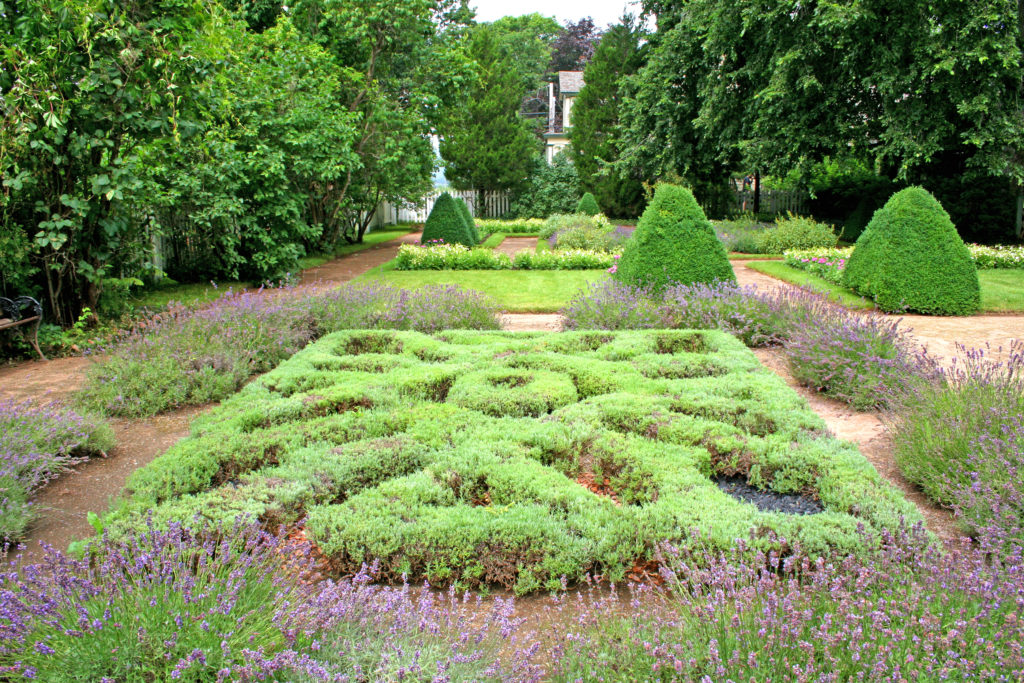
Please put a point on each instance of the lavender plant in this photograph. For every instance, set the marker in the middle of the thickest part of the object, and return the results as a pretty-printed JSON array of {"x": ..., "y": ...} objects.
[
  {"x": 38, "y": 442},
  {"x": 913, "y": 612},
  {"x": 959, "y": 435},
  {"x": 193, "y": 356},
  {"x": 611, "y": 305},
  {"x": 240, "y": 605}
]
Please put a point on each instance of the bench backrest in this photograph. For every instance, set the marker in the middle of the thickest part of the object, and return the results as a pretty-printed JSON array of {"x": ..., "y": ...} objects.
[{"x": 20, "y": 308}]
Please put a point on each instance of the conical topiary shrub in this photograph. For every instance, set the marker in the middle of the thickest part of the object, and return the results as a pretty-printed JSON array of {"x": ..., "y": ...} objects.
[
  {"x": 445, "y": 223},
  {"x": 468, "y": 217},
  {"x": 674, "y": 243},
  {"x": 588, "y": 205},
  {"x": 910, "y": 258}
]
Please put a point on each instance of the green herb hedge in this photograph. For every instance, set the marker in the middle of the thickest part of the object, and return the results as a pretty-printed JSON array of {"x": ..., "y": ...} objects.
[
  {"x": 910, "y": 258},
  {"x": 674, "y": 243},
  {"x": 515, "y": 459}
]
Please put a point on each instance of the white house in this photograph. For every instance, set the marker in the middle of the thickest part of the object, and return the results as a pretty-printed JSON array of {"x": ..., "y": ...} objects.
[{"x": 560, "y": 117}]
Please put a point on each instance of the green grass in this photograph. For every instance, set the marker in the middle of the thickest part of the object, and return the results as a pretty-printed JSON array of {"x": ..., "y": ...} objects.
[
  {"x": 497, "y": 459},
  {"x": 1002, "y": 291},
  {"x": 516, "y": 291},
  {"x": 204, "y": 292},
  {"x": 493, "y": 240},
  {"x": 780, "y": 270}
]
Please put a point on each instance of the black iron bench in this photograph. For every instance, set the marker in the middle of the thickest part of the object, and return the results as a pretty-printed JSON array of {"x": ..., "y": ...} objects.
[{"x": 23, "y": 310}]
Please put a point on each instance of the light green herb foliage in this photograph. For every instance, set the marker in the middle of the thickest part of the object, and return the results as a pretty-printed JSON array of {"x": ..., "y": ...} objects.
[
  {"x": 910, "y": 258},
  {"x": 468, "y": 458}
]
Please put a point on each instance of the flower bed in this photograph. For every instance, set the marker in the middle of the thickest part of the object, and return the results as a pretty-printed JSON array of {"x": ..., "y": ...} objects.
[
  {"x": 519, "y": 226},
  {"x": 37, "y": 443},
  {"x": 459, "y": 257},
  {"x": 828, "y": 263},
  {"x": 194, "y": 356},
  {"x": 514, "y": 460}
]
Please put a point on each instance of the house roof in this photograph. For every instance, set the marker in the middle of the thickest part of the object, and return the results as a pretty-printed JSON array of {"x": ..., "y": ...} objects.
[{"x": 570, "y": 82}]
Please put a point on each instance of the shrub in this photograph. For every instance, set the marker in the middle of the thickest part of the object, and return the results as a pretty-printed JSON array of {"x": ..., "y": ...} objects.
[
  {"x": 497, "y": 459},
  {"x": 521, "y": 226},
  {"x": 674, "y": 243},
  {"x": 458, "y": 257},
  {"x": 549, "y": 190},
  {"x": 563, "y": 222},
  {"x": 187, "y": 357},
  {"x": 999, "y": 256},
  {"x": 588, "y": 205},
  {"x": 826, "y": 262},
  {"x": 37, "y": 443},
  {"x": 796, "y": 232},
  {"x": 959, "y": 435},
  {"x": 578, "y": 231},
  {"x": 741, "y": 234},
  {"x": 468, "y": 218},
  {"x": 447, "y": 224},
  {"x": 910, "y": 258}
]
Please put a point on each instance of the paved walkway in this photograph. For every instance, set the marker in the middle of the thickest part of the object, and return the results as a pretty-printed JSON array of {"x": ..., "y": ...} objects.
[{"x": 514, "y": 245}]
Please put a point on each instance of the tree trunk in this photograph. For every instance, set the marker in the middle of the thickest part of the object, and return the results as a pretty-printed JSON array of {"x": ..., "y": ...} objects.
[{"x": 757, "y": 193}]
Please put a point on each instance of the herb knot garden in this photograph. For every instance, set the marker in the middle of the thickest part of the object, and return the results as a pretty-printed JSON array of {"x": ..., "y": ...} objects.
[{"x": 392, "y": 344}]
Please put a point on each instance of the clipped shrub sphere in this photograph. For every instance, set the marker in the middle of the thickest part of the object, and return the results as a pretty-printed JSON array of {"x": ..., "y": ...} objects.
[
  {"x": 674, "y": 243},
  {"x": 910, "y": 258},
  {"x": 446, "y": 223},
  {"x": 468, "y": 218},
  {"x": 588, "y": 205}
]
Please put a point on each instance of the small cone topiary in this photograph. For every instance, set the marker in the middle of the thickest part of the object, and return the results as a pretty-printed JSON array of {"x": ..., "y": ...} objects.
[
  {"x": 588, "y": 205},
  {"x": 468, "y": 217},
  {"x": 674, "y": 243},
  {"x": 445, "y": 223},
  {"x": 911, "y": 258}
]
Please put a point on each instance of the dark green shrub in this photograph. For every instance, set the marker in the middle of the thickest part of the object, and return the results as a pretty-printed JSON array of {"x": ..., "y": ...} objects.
[
  {"x": 910, "y": 258},
  {"x": 588, "y": 205},
  {"x": 549, "y": 189},
  {"x": 674, "y": 243},
  {"x": 468, "y": 218},
  {"x": 446, "y": 224}
]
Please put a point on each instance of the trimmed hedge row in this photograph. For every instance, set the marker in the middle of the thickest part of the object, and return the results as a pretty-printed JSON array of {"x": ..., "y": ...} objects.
[
  {"x": 458, "y": 257},
  {"x": 519, "y": 226},
  {"x": 515, "y": 459}
]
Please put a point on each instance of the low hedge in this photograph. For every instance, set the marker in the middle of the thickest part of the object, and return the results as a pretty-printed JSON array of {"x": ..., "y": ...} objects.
[
  {"x": 458, "y": 257},
  {"x": 518, "y": 226},
  {"x": 516, "y": 460}
]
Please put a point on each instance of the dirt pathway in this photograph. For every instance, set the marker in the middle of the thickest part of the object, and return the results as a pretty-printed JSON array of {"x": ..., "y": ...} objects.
[
  {"x": 867, "y": 431},
  {"x": 514, "y": 245},
  {"x": 532, "y": 322},
  {"x": 351, "y": 266},
  {"x": 938, "y": 334}
]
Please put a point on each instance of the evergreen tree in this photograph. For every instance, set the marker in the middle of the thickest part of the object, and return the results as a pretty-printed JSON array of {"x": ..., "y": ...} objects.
[
  {"x": 446, "y": 224},
  {"x": 467, "y": 218},
  {"x": 486, "y": 144},
  {"x": 596, "y": 115},
  {"x": 588, "y": 205}
]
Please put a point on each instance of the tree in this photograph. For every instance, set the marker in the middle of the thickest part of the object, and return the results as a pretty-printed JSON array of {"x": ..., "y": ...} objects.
[
  {"x": 551, "y": 188},
  {"x": 405, "y": 66},
  {"x": 486, "y": 143},
  {"x": 527, "y": 41},
  {"x": 574, "y": 46},
  {"x": 596, "y": 145},
  {"x": 84, "y": 85},
  {"x": 922, "y": 91},
  {"x": 447, "y": 224}
]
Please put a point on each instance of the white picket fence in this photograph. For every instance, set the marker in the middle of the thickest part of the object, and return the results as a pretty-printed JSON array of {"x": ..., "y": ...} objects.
[{"x": 481, "y": 204}]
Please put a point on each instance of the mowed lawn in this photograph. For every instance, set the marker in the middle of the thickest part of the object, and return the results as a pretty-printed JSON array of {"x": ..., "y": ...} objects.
[
  {"x": 516, "y": 291},
  {"x": 1002, "y": 291}
]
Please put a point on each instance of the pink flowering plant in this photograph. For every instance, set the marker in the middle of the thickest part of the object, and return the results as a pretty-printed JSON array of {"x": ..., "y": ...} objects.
[{"x": 826, "y": 263}]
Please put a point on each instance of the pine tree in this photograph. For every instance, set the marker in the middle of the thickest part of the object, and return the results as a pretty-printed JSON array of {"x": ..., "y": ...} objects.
[
  {"x": 595, "y": 120},
  {"x": 486, "y": 144}
]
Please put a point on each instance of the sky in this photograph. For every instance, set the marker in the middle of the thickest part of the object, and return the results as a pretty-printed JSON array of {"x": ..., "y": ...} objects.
[{"x": 603, "y": 12}]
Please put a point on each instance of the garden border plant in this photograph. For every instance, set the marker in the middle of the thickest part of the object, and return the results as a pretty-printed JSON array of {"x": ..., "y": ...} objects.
[{"x": 472, "y": 457}]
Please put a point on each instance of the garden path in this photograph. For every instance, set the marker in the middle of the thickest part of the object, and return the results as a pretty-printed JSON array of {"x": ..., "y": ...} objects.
[
  {"x": 514, "y": 245},
  {"x": 938, "y": 334},
  {"x": 351, "y": 266}
]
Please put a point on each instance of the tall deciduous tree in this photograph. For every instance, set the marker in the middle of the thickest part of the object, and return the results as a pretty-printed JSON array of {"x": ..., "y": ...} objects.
[
  {"x": 83, "y": 85},
  {"x": 574, "y": 45},
  {"x": 596, "y": 145},
  {"x": 486, "y": 143}
]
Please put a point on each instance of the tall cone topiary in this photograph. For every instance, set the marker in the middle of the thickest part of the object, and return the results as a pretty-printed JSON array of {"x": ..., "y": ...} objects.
[
  {"x": 446, "y": 223},
  {"x": 588, "y": 205},
  {"x": 468, "y": 218},
  {"x": 674, "y": 243},
  {"x": 911, "y": 258}
]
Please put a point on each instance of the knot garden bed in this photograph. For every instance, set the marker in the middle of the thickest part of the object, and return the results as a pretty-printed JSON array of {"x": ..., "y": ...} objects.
[{"x": 515, "y": 459}]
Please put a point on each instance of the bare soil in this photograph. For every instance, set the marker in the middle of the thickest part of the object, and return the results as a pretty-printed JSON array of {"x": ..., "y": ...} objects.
[
  {"x": 514, "y": 245},
  {"x": 532, "y": 322}
]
